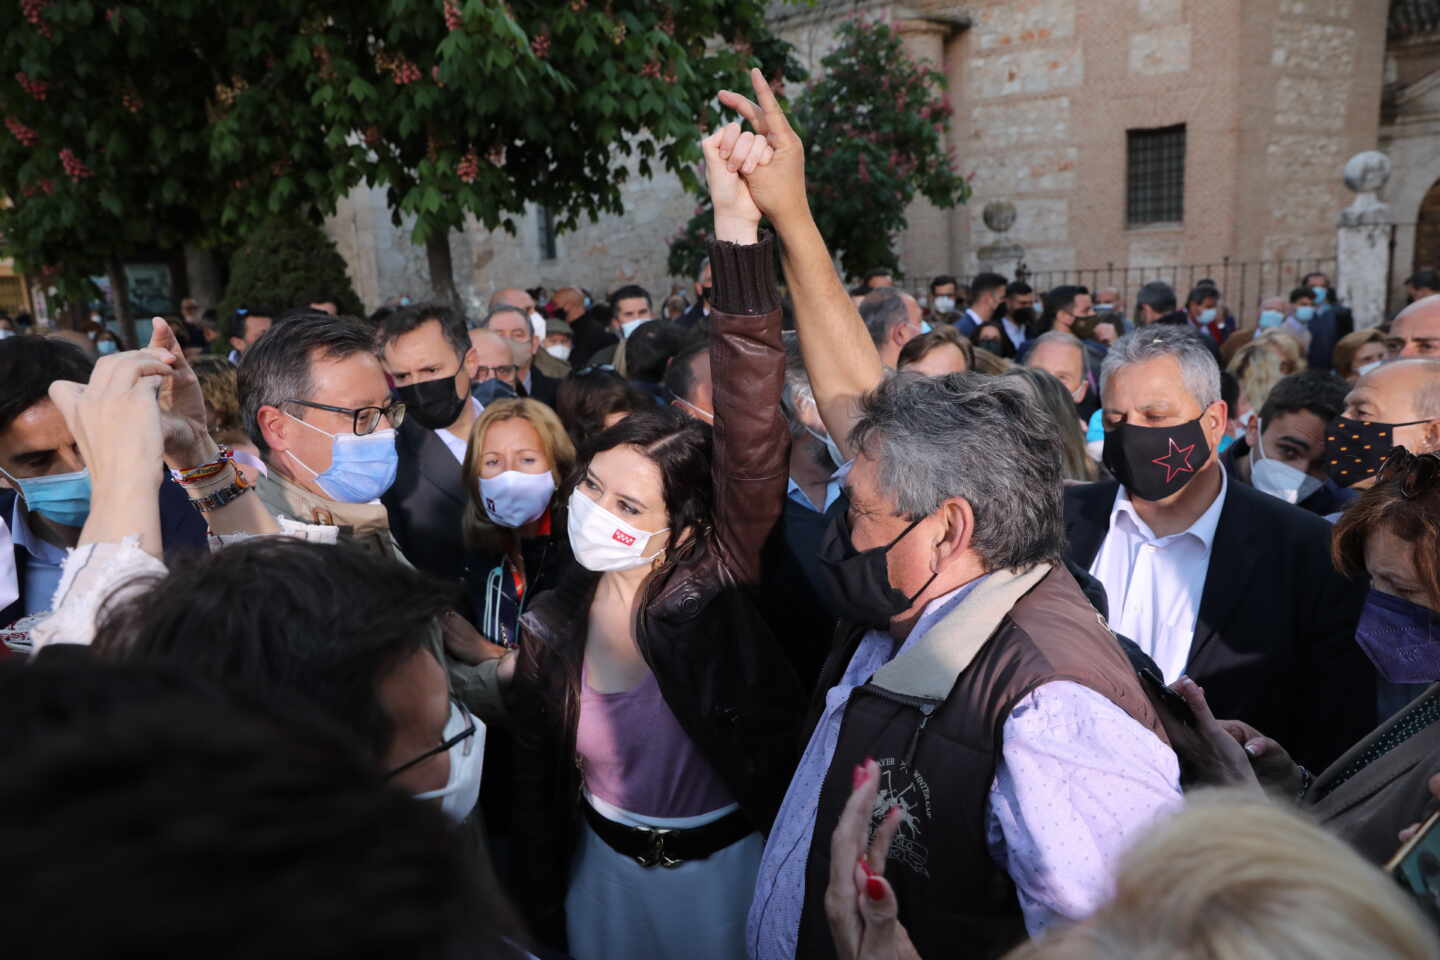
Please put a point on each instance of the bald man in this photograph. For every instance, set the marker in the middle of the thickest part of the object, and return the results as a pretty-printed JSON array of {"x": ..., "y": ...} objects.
[
  {"x": 571, "y": 302},
  {"x": 1416, "y": 331},
  {"x": 1397, "y": 405},
  {"x": 515, "y": 297}
]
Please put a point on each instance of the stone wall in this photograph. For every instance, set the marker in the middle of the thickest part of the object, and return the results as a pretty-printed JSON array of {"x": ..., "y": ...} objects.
[{"x": 1275, "y": 96}]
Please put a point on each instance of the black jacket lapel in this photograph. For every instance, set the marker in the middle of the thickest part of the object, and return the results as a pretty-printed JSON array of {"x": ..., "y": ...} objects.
[
  {"x": 1232, "y": 556},
  {"x": 1087, "y": 520}
]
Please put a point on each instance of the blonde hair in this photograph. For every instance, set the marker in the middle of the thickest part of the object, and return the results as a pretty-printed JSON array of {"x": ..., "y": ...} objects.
[
  {"x": 1235, "y": 877},
  {"x": 1343, "y": 359},
  {"x": 987, "y": 362},
  {"x": 480, "y": 532},
  {"x": 1263, "y": 362}
]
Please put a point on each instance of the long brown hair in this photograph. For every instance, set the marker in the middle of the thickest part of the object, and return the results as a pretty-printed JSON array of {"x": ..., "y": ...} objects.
[
  {"x": 1414, "y": 519},
  {"x": 480, "y": 532}
]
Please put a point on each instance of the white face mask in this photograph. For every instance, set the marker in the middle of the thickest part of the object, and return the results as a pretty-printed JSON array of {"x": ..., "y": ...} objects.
[
  {"x": 537, "y": 324},
  {"x": 560, "y": 351},
  {"x": 629, "y": 327},
  {"x": 1360, "y": 371},
  {"x": 1279, "y": 479},
  {"x": 467, "y": 759},
  {"x": 944, "y": 304},
  {"x": 602, "y": 541},
  {"x": 514, "y": 499},
  {"x": 831, "y": 447}
]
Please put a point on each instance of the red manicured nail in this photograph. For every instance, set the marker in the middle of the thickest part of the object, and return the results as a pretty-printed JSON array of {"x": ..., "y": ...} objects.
[{"x": 875, "y": 889}]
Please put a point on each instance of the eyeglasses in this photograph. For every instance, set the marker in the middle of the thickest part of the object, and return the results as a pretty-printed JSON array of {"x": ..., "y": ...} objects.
[
  {"x": 365, "y": 419},
  {"x": 463, "y": 735},
  {"x": 502, "y": 371},
  {"x": 1417, "y": 472}
]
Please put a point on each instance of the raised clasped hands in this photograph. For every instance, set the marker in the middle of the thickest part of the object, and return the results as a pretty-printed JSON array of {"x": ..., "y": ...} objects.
[{"x": 777, "y": 184}]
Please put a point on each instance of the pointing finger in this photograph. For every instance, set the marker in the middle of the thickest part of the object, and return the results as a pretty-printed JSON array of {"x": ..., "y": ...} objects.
[
  {"x": 745, "y": 108},
  {"x": 774, "y": 117}
]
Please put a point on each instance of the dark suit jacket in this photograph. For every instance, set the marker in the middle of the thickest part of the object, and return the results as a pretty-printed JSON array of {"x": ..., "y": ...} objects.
[
  {"x": 182, "y": 530},
  {"x": 1275, "y": 641},
  {"x": 1387, "y": 794},
  {"x": 542, "y": 388},
  {"x": 427, "y": 503}
]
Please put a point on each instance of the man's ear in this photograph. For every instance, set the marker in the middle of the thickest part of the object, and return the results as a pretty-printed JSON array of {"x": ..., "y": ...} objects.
[
  {"x": 1430, "y": 437},
  {"x": 274, "y": 428},
  {"x": 1252, "y": 433},
  {"x": 958, "y": 532},
  {"x": 471, "y": 362}
]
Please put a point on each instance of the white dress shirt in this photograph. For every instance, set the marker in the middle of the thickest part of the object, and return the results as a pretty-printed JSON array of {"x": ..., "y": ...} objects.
[
  {"x": 1077, "y": 781},
  {"x": 1155, "y": 583},
  {"x": 1013, "y": 330},
  {"x": 455, "y": 444}
]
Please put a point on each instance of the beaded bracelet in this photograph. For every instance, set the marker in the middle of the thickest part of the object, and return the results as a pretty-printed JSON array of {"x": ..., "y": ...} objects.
[{"x": 206, "y": 471}]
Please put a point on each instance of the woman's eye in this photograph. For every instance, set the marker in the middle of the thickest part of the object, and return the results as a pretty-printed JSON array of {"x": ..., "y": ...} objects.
[{"x": 627, "y": 508}]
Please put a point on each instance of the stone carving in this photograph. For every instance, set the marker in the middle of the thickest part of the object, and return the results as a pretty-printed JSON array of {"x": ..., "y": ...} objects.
[
  {"x": 1000, "y": 215},
  {"x": 1367, "y": 172}
]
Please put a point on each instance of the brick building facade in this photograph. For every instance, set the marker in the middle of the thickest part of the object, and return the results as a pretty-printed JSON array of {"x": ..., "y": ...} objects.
[{"x": 1136, "y": 133}]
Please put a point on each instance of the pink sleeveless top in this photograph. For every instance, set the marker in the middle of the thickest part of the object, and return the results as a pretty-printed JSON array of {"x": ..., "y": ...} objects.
[{"x": 635, "y": 755}]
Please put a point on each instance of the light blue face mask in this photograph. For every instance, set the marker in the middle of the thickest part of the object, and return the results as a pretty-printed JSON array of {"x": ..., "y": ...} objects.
[
  {"x": 106, "y": 347},
  {"x": 1271, "y": 318},
  {"x": 630, "y": 326},
  {"x": 1304, "y": 314},
  {"x": 925, "y": 327},
  {"x": 1321, "y": 294},
  {"x": 361, "y": 468},
  {"x": 1207, "y": 315},
  {"x": 62, "y": 498}
]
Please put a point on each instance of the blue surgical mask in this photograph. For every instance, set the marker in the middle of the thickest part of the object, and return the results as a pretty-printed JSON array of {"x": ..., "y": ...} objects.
[
  {"x": 1207, "y": 315},
  {"x": 925, "y": 327},
  {"x": 1304, "y": 314},
  {"x": 361, "y": 468},
  {"x": 62, "y": 498},
  {"x": 1321, "y": 294},
  {"x": 106, "y": 347},
  {"x": 630, "y": 326},
  {"x": 488, "y": 391},
  {"x": 1271, "y": 318}
]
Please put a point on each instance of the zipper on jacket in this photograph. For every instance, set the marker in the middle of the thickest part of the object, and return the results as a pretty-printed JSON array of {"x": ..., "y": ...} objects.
[{"x": 925, "y": 706}]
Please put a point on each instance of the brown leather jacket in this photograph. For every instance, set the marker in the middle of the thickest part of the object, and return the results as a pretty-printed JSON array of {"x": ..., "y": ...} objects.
[{"x": 719, "y": 668}]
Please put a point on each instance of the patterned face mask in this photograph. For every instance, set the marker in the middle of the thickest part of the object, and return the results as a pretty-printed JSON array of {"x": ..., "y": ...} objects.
[{"x": 1355, "y": 449}]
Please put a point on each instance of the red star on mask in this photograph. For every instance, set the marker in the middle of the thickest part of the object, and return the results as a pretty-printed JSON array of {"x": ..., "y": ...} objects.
[{"x": 1177, "y": 460}]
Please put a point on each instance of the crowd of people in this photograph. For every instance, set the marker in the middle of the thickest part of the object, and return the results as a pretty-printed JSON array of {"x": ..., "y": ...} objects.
[{"x": 796, "y": 621}]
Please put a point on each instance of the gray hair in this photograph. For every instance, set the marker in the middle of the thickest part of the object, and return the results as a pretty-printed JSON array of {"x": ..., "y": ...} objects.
[
  {"x": 1069, "y": 340},
  {"x": 984, "y": 439},
  {"x": 883, "y": 310},
  {"x": 704, "y": 265},
  {"x": 277, "y": 368},
  {"x": 1197, "y": 364},
  {"x": 797, "y": 391}
]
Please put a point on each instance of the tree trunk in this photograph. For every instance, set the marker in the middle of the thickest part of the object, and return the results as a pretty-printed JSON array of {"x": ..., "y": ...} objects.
[
  {"x": 202, "y": 275},
  {"x": 120, "y": 293},
  {"x": 442, "y": 269}
]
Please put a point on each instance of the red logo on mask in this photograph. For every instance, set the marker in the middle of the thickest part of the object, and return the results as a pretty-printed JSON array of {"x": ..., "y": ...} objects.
[
  {"x": 1176, "y": 460},
  {"x": 620, "y": 536}
]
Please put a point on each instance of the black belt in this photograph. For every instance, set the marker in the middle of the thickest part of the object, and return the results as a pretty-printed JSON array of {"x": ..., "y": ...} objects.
[{"x": 669, "y": 848}]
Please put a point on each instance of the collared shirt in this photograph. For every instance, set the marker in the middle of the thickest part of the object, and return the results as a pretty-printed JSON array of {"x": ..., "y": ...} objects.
[
  {"x": 1014, "y": 331},
  {"x": 1077, "y": 780},
  {"x": 1155, "y": 583},
  {"x": 43, "y": 563},
  {"x": 971, "y": 321},
  {"x": 455, "y": 444},
  {"x": 833, "y": 488}
]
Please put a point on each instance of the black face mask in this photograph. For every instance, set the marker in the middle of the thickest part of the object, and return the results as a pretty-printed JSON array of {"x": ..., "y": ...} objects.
[
  {"x": 994, "y": 346},
  {"x": 488, "y": 391},
  {"x": 433, "y": 404},
  {"x": 859, "y": 582},
  {"x": 1155, "y": 462},
  {"x": 1024, "y": 318},
  {"x": 705, "y": 294},
  {"x": 1355, "y": 449}
]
